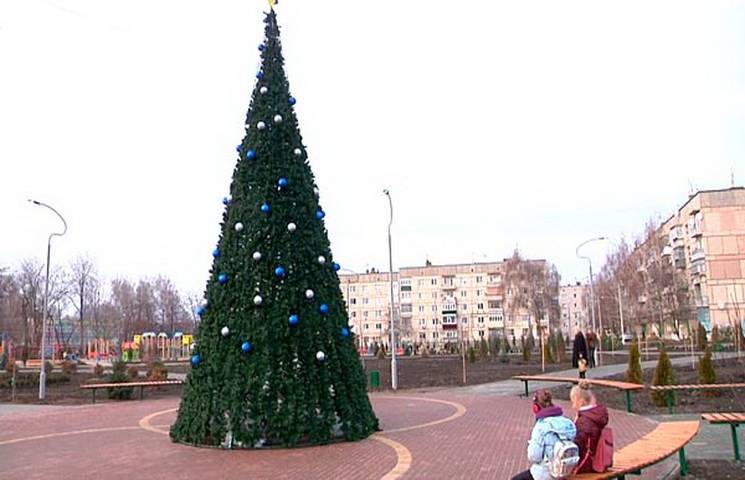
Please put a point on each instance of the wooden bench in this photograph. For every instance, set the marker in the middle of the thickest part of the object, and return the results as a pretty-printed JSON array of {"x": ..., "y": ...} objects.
[
  {"x": 670, "y": 389},
  {"x": 734, "y": 420},
  {"x": 652, "y": 448},
  {"x": 95, "y": 386},
  {"x": 623, "y": 386}
]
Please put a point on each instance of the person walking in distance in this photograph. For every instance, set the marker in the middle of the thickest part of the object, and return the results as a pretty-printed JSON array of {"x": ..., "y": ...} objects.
[
  {"x": 592, "y": 343},
  {"x": 579, "y": 348}
]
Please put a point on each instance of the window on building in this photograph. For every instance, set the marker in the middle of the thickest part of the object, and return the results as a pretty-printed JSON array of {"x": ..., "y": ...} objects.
[
  {"x": 481, "y": 333},
  {"x": 434, "y": 294},
  {"x": 495, "y": 304},
  {"x": 479, "y": 293},
  {"x": 464, "y": 320},
  {"x": 434, "y": 308},
  {"x": 479, "y": 278},
  {"x": 433, "y": 281},
  {"x": 365, "y": 301},
  {"x": 422, "y": 322},
  {"x": 422, "y": 336},
  {"x": 481, "y": 319},
  {"x": 378, "y": 313},
  {"x": 354, "y": 314},
  {"x": 465, "y": 306},
  {"x": 463, "y": 293},
  {"x": 421, "y": 308},
  {"x": 353, "y": 301},
  {"x": 480, "y": 306},
  {"x": 352, "y": 289},
  {"x": 420, "y": 282},
  {"x": 364, "y": 314},
  {"x": 434, "y": 321},
  {"x": 367, "y": 326},
  {"x": 435, "y": 335},
  {"x": 379, "y": 326}
]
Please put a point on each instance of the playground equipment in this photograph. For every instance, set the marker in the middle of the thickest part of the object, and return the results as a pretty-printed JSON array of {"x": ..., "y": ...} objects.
[
  {"x": 151, "y": 345},
  {"x": 100, "y": 349}
]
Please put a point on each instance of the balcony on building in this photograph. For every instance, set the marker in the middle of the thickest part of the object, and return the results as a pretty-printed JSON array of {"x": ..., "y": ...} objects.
[
  {"x": 698, "y": 255},
  {"x": 493, "y": 291},
  {"x": 695, "y": 229},
  {"x": 448, "y": 282},
  {"x": 449, "y": 322}
]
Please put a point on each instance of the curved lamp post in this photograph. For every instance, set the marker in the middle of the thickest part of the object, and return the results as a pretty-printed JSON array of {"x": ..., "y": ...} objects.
[
  {"x": 394, "y": 368},
  {"x": 42, "y": 372}
]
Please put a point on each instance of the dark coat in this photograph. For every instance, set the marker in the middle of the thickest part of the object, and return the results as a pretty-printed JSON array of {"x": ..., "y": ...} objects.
[
  {"x": 580, "y": 346},
  {"x": 589, "y": 425}
]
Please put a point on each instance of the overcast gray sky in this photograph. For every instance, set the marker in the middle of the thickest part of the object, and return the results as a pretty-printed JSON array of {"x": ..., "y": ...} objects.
[{"x": 494, "y": 124}]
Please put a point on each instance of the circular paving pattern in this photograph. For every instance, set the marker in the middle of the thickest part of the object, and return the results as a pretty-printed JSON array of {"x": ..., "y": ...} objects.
[{"x": 445, "y": 434}]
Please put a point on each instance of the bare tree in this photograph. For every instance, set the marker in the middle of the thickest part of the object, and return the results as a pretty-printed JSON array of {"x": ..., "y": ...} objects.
[
  {"x": 82, "y": 283},
  {"x": 124, "y": 307}
]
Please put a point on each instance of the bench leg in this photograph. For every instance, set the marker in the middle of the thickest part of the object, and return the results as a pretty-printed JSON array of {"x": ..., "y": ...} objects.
[
  {"x": 93, "y": 391},
  {"x": 683, "y": 462},
  {"x": 735, "y": 442},
  {"x": 628, "y": 401},
  {"x": 670, "y": 402},
  {"x": 527, "y": 393},
  {"x": 141, "y": 390}
]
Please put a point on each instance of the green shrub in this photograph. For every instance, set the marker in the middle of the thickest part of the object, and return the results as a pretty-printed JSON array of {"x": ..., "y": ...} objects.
[
  {"x": 483, "y": 349},
  {"x": 663, "y": 375},
  {"x": 133, "y": 373},
  {"x": 157, "y": 371},
  {"x": 561, "y": 347},
  {"x": 547, "y": 352},
  {"x": 119, "y": 375},
  {"x": 98, "y": 370},
  {"x": 634, "y": 370},
  {"x": 471, "y": 355},
  {"x": 526, "y": 351},
  {"x": 69, "y": 368},
  {"x": 706, "y": 372}
]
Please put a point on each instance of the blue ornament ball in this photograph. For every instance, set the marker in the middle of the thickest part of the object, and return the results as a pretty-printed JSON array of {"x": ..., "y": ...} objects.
[
  {"x": 195, "y": 360},
  {"x": 251, "y": 154},
  {"x": 265, "y": 207},
  {"x": 238, "y": 148},
  {"x": 259, "y": 75},
  {"x": 336, "y": 267},
  {"x": 261, "y": 47},
  {"x": 293, "y": 320},
  {"x": 292, "y": 101},
  {"x": 344, "y": 332},
  {"x": 246, "y": 347},
  {"x": 227, "y": 200},
  {"x": 222, "y": 278},
  {"x": 324, "y": 309},
  {"x": 279, "y": 271},
  {"x": 320, "y": 214},
  {"x": 216, "y": 253},
  {"x": 201, "y": 310},
  {"x": 282, "y": 182}
]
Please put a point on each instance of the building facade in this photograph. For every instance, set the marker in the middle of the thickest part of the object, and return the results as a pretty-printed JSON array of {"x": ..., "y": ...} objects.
[
  {"x": 574, "y": 301},
  {"x": 706, "y": 242},
  {"x": 437, "y": 304}
]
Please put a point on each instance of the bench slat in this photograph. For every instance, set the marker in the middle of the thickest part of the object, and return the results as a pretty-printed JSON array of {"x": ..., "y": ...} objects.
[
  {"x": 591, "y": 381},
  {"x": 662, "y": 442},
  {"x": 132, "y": 384}
]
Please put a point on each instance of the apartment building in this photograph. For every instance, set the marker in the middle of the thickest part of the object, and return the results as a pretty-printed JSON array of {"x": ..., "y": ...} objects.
[
  {"x": 706, "y": 241},
  {"x": 436, "y": 304},
  {"x": 574, "y": 301}
]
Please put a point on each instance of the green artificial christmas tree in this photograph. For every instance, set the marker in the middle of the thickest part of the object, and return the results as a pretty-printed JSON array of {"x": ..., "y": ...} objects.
[
  {"x": 274, "y": 362},
  {"x": 663, "y": 375},
  {"x": 634, "y": 370}
]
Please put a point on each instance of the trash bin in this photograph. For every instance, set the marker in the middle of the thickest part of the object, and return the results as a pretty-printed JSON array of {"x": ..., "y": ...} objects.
[{"x": 375, "y": 379}]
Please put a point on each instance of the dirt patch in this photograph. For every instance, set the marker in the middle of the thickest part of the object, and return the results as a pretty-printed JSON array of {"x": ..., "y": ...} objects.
[
  {"x": 692, "y": 401},
  {"x": 65, "y": 389},
  {"x": 715, "y": 470}
]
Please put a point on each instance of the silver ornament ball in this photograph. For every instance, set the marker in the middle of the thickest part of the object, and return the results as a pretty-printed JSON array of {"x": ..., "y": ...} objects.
[
  {"x": 257, "y": 256},
  {"x": 309, "y": 294},
  {"x": 225, "y": 331},
  {"x": 297, "y": 152},
  {"x": 258, "y": 300},
  {"x": 291, "y": 227},
  {"x": 278, "y": 118},
  {"x": 261, "y": 125},
  {"x": 320, "y": 356},
  {"x": 263, "y": 90},
  {"x": 239, "y": 227},
  {"x": 321, "y": 259}
]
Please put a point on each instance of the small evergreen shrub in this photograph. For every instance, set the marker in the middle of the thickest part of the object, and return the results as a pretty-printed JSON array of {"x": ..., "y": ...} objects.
[
  {"x": 69, "y": 368},
  {"x": 157, "y": 371},
  {"x": 701, "y": 341},
  {"x": 98, "y": 370},
  {"x": 471, "y": 355},
  {"x": 706, "y": 372},
  {"x": 133, "y": 373},
  {"x": 119, "y": 375},
  {"x": 634, "y": 370},
  {"x": 483, "y": 349},
  {"x": 663, "y": 375}
]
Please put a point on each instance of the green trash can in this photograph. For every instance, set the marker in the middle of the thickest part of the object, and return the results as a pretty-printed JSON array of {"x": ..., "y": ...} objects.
[{"x": 375, "y": 379}]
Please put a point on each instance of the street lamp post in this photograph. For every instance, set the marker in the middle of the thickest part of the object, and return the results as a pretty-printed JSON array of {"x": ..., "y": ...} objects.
[
  {"x": 599, "y": 331},
  {"x": 45, "y": 313},
  {"x": 394, "y": 367}
]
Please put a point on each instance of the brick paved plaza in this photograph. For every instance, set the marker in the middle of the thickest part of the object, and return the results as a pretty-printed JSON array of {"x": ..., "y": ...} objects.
[{"x": 452, "y": 433}]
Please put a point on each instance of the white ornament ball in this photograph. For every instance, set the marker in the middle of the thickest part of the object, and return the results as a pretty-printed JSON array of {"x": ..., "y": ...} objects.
[
  {"x": 203, "y": 303},
  {"x": 263, "y": 90},
  {"x": 309, "y": 294},
  {"x": 258, "y": 300},
  {"x": 257, "y": 256},
  {"x": 239, "y": 227},
  {"x": 321, "y": 259},
  {"x": 278, "y": 118},
  {"x": 320, "y": 356},
  {"x": 225, "y": 331},
  {"x": 193, "y": 346},
  {"x": 316, "y": 191},
  {"x": 261, "y": 125},
  {"x": 229, "y": 198},
  {"x": 291, "y": 227},
  {"x": 247, "y": 126},
  {"x": 297, "y": 152}
]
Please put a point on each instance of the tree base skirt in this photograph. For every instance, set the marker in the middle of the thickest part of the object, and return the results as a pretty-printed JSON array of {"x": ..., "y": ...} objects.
[{"x": 272, "y": 446}]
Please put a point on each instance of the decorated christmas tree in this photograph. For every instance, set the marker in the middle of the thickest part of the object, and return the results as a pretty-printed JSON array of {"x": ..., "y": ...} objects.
[{"x": 274, "y": 361}]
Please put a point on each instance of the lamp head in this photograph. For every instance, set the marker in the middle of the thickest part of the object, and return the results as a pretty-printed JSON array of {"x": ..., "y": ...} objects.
[{"x": 385, "y": 191}]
